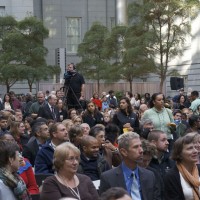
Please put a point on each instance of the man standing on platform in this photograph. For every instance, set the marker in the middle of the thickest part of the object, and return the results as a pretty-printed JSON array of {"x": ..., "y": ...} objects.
[{"x": 74, "y": 87}]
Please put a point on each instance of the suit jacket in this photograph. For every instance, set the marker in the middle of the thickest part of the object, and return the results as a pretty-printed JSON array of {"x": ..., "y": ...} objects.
[
  {"x": 115, "y": 178},
  {"x": 45, "y": 112},
  {"x": 30, "y": 151},
  {"x": 172, "y": 182}
]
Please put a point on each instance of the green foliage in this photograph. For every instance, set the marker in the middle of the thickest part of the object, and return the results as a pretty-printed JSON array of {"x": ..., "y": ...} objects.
[
  {"x": 162, "y": 27},
  {"x": 23, "y": 54},
  {"x": 93, "y": 62}
]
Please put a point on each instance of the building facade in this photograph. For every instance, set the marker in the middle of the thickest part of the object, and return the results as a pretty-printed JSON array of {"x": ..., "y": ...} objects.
[{"x": 68, "y": 21}]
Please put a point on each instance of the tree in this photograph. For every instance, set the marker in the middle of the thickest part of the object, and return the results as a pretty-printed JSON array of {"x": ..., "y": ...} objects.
[
  {"x": 163, "y": 26},
  {"x": 128, "y": 56},
  {"x": 23, "y": 51},
  {"x": 93, "y": 63}
]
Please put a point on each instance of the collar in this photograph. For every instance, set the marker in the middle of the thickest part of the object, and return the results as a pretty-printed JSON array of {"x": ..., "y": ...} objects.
[
  {"x": 128, "y": 172},
  {"x": 158, "y": 111},
  {"x": 52, "y": 145},
  {"x": 50, "y": 106}
]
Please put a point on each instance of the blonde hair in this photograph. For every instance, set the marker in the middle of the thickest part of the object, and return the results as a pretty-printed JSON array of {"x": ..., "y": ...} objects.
[{"x": 62, "y": 152}]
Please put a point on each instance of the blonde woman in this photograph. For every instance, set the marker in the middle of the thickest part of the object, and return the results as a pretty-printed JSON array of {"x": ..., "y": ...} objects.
[{"x": 66, "y": 182}]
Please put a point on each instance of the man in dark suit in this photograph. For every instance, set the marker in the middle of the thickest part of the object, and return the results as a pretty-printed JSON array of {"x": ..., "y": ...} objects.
[
  {"x": 140, "y": 183},
  {"x": 41, "y": 133},
  {"x": 49, "y": 111}
]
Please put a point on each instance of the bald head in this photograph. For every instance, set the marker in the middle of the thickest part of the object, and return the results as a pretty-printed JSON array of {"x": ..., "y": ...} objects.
[
  {"x": 90, "y": 146},
  {"x": 87, "y": 140}
]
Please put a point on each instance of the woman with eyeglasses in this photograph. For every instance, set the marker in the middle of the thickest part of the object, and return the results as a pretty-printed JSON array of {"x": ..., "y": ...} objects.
[{"x": 66, "y": 182}]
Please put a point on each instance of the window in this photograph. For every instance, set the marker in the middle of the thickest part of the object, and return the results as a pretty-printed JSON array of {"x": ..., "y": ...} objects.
[
  {"x": 112, "y": 22},
  {"x": 2, "y": 11},
  {"x": 73, "y": 34}
]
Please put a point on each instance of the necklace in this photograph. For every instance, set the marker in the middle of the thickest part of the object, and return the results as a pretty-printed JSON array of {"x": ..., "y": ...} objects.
[{"x": 74, "y": 191}]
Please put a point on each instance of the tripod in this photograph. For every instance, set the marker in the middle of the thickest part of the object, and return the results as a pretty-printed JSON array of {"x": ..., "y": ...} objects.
[{"x": 71, "y": 99}]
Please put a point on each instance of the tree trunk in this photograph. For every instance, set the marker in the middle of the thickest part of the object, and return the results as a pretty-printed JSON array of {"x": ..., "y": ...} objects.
[
  {"x": 7, "y": 87},
  {"x": 98, "y": 86},
  {"x": 162, "y": 80},
  {"x": 131, "y": 86}
]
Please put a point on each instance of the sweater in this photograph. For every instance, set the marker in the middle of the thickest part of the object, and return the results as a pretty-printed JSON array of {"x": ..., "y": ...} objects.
[
  {"x": 160, "y": 119},
  {"x": 53, "y": 189}
]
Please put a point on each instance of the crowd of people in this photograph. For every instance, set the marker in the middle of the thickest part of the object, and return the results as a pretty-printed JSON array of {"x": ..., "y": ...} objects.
[{"x": 136, "y": 147}]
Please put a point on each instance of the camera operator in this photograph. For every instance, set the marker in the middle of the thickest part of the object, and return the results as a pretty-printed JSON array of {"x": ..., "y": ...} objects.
[{"x": 74, "y": 87}]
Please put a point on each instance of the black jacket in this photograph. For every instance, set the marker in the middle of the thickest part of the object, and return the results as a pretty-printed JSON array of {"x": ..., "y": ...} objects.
[{"x": 173, "y": 189}]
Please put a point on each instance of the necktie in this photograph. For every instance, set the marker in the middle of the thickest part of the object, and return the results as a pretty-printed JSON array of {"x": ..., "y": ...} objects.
[
  {"x": 135, "y": 192},
  {"x": 52, "y": 110}
]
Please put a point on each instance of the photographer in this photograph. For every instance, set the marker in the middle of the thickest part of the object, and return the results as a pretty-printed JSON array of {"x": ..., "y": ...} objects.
[{"x": 74, "y": 87}]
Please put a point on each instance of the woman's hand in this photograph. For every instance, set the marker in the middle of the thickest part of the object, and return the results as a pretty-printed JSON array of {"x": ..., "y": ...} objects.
[
  {"x": 109, "y": 145},
  {"x": 127, "y": 125}
]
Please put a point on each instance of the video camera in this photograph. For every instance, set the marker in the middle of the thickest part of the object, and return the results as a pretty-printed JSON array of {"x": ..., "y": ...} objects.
[{"x": 69, "y": 74}]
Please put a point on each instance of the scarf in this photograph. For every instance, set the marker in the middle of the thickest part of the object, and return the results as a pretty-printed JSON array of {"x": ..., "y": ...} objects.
[
  {"x": 15, "y": 183},
  {"x": 192, "y": 179}
]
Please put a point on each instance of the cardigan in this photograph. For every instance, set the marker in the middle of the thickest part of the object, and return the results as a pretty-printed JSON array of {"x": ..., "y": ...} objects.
[
  {"x": 53, "y": 189},
  {"x": 160, "y": 119}
]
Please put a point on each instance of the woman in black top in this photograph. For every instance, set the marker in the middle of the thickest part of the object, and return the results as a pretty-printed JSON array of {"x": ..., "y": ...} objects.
[
  {"x": 125, "y": 118},
  {"x": 92, "y": 116}
]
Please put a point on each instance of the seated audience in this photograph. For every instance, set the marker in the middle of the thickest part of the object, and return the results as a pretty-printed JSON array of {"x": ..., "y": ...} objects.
[
  {"x": 17, "y": 130},
  {"x": 161, "y": 161},
  {"x": 146, "y": 126},
  {"x": 12, "y": 186},
  {"x": 125, "y": 118},
  {"x": 75, "y": 135},
  {"x": 44, "y": 158},
  {"x": 115, "y": 193},
  {"x": 66, "y": 182},
  {"x": 77, "y": 120},
  {"x": 182, "y": 181},
  {"x": 91, "y": 163},
  {"x": 140, "y": 183},
  {"x": 106, "y": 148},
  {"x": 194, "y": 124},
  {"x": 97, "y": 101},
  {"x": 72, "y": 112},
  {"x": 61, "y": 109},
  {"x": 92, "y": 116},
  {"x": 85, "y": 128},
  {"x": 41, "y": 134},
  {"x": 49, "y": 110},
  {"x": 149, "y": 151},
  {"x": 3, "y": 124}
]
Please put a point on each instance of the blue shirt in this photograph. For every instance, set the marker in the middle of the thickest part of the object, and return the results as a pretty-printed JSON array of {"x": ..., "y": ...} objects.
[{"x": 129, "y": 178}]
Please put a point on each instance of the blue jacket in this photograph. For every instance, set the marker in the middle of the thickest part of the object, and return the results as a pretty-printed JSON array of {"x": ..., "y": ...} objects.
[{"x": 44, "y": 160}]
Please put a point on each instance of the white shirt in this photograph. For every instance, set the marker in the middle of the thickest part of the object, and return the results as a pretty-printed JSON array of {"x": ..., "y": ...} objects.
[
  {"x": 187, "y": 189},
  {"x": 5, "y": 192}
]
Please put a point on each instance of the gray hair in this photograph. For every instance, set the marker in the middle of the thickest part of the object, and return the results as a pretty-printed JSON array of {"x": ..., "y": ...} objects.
[
  {"x": 145, "y": 121},
  {"x": 124, "y": 139}
]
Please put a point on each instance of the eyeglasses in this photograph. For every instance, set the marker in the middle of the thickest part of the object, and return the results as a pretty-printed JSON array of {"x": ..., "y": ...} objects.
[
  {"x": 72, "y": 159},
  {"x": 77, "y": 121}
]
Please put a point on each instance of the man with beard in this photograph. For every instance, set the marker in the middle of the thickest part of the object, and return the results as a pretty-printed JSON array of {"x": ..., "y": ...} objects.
[
  {"x": 161, "y": 162},
  {"x": 138, "y": 182},
  {"x": 74, "y": 87},
  {"x": 44, "y": 159},
  {"x": 91, "y": 163},
  {"x": 40, "y": 132}
]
